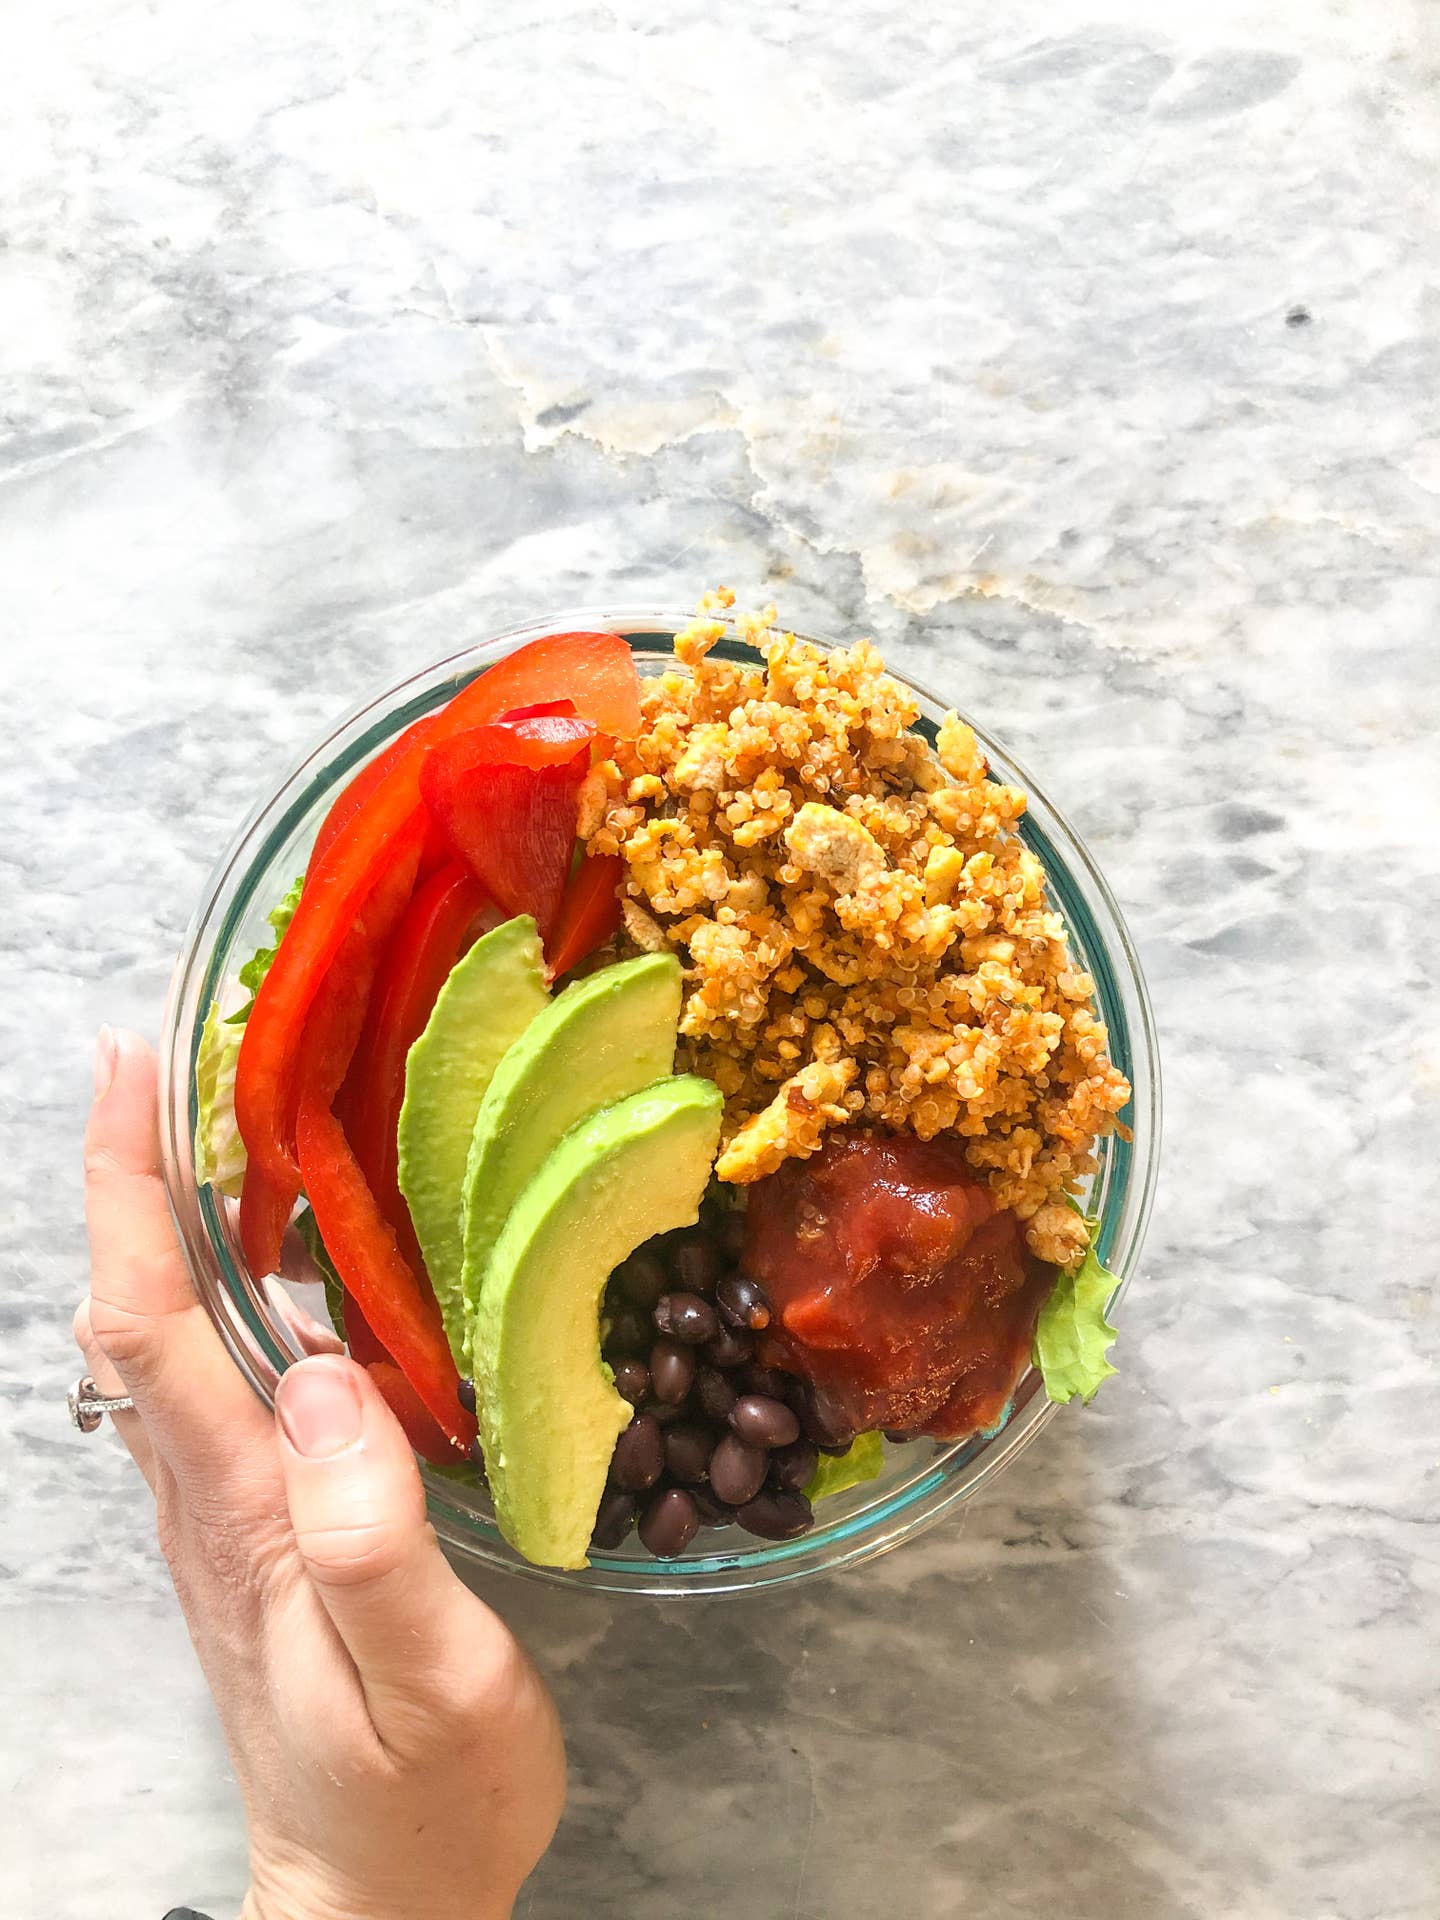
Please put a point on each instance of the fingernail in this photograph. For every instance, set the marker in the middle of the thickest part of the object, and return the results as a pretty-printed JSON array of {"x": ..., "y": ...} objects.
[
  {"x": 319, "y": 1408},
  {"x": 106, "y": 1054}
]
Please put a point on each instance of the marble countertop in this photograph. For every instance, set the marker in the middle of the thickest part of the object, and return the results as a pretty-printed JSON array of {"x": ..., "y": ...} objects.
[{"x": 1092, "y": 366}]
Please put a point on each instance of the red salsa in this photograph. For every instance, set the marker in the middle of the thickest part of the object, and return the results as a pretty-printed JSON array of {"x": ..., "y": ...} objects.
[{"x": 896, "y": 1282}]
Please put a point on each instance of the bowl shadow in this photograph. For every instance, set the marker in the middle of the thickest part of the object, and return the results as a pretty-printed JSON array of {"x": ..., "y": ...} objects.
[{"x": 953, "y": 1728}]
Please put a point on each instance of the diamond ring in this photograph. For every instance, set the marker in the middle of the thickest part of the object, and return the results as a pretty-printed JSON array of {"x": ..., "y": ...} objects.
[{"x": 88, "y": 1405}]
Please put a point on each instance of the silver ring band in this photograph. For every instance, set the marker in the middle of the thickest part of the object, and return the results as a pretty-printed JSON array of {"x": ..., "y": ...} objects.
[{"x": 88, "y": 1406}]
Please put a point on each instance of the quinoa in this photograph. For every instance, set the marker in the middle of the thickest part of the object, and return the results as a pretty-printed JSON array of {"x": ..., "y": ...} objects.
[{"x": 865, "y": 939}]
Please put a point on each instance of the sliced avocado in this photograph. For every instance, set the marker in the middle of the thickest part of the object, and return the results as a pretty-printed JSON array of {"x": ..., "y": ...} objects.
[
  {"x": 599, "y": 1040},
  {"x": 490, "y": 998},
  {"x": 549, "y": 1412}
]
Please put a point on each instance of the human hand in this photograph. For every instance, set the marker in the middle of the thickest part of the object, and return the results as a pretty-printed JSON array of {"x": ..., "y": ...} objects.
[{"x": 397, "y": 1753}]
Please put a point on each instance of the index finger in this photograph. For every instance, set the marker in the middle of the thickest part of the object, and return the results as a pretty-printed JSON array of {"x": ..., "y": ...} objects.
[{"x": 196, "y": 1406}]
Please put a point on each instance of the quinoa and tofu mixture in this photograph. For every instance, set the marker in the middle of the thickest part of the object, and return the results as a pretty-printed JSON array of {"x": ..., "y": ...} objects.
[{"x": 866, "y": 940}]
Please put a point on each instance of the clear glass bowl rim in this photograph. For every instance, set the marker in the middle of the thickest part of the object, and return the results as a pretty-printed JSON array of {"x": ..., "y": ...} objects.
[{"x": 262, "y": 1345}]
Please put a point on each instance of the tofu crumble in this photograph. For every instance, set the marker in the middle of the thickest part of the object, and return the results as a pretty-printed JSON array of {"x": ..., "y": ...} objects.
[{"x": 866, "y": 940}]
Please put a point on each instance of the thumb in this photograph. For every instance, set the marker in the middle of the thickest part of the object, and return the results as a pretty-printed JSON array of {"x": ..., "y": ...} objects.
[{"x": 419, "y": 1639}]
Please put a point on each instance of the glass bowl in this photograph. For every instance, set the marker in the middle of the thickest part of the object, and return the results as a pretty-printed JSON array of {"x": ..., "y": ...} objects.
[{"x": 922, "y": 1480}]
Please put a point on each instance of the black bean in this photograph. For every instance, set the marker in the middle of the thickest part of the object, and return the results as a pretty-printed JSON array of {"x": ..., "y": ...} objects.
[
  {"x": 713, "y": 1512},
  {"x": 777, "y": 1516},
  {"x": 669, "y": 1523},
  {"x": 825, "y": 1422},
  {"x": 672, "y": 1371},
  {"x": 465, "y": 1394},
  {"x": 477, "y": 1460},
  {"x": 662, "y": 1412},
  {"x": 837, "y": 1453},
  {"x": 728, "y": 1349},
  {"x": 615, "y": 1518},
  {"x": 684, "y": 1236},
  {"x": 696, "y": 1263},
  {"x": 730, "y": 1233},
  {"x": 896, "y": 1438},
  {"x": 640, "y": 1279},
  {"x": 764, "y": 1422},
  {"x": 688, "y": 1447},
  {"x": 737, "y": 1470},
  {"x": 630, "y": 1332},
  {"x": 797, "y": 1395},
  {"x": 767, "y": 1380},
  {"x": 639, "y": 1457},
  {"x": 632, "y": 1379},
  {"x": 793, "y": 1468},
  {"x": 687, "y": 1318},
  {"x": 743, "y": 1302},
  {"x": 714, "y": 1395}
]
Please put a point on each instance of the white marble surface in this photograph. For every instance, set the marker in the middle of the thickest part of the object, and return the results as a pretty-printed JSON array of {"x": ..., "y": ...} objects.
[{"x": 330, "y": 335}]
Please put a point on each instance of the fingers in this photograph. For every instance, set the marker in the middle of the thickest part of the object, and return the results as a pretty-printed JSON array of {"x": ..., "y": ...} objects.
[
  {"x": 420, "y": 1640},
  {"x": 128, "y": 1425},
  {"x": 143, "y": 1315}
]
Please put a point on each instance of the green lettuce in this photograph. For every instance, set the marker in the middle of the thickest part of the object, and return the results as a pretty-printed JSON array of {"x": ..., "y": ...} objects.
[
  {"x": 308, "y": 1228},
  {"x": 839, "y": 1472},
  {"x": 1072, "y": 1335},
  {"x": 462, "y": 1470},
  {"x": 219, "y": 1150}
]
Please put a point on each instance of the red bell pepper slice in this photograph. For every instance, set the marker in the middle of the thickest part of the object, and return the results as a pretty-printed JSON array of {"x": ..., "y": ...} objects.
[
  {"x": 342, "y": 1003},
  {"x": 401, "y": 1398},
  {"x": 539, "y": 710},
  {"x": 589, "y": 913},
  {"x": 595, "y": 670},
  {"x": 330, "y": 1038},
  {"x": 532, "y": 737},
  {"x": 506, "y": 797},
  {"x": 414, "y": 1417},
  {"x": 353, "y": 798},
  {"x": 425, "y": 946},
  {"x": 359, "y": 1334},
  {"x": 402, "y": 1314}
]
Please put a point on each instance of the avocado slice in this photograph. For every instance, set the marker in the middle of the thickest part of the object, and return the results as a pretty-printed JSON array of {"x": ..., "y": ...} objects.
[
  {"x": 599, "y": 1040},
  {"x": 491, "y": 996},
  {"x": 549, "y": 1412}
]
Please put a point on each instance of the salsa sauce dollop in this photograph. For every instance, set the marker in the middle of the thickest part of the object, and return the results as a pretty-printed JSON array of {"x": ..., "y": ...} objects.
[{"x": 897, "y": 1284}]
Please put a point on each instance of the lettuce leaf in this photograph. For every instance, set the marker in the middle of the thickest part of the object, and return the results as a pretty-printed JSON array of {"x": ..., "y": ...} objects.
[
  {"x": 838, "y": 1473},
  {"x": 263, "y": 958},
  {"x": 1072, "y": 1335},
  {"x": 308, "y": 1228},
  {"x": 219, "y": 1150}
]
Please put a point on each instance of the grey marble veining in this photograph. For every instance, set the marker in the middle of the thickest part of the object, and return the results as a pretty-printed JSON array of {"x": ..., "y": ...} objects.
[{"x": 1091, "y": 364}]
